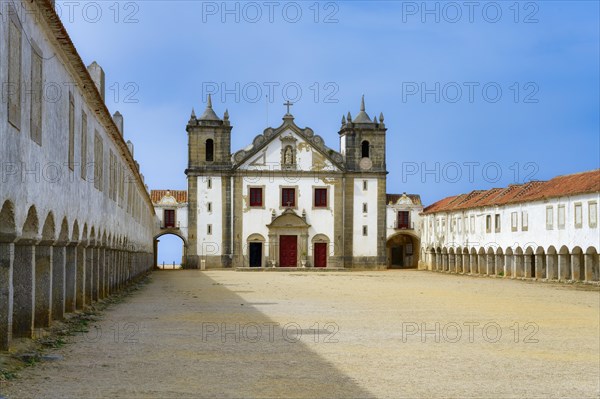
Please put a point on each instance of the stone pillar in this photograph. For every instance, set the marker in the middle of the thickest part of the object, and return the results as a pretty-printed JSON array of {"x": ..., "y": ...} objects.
[
  {"x": 575, "y": 267},
  {"x": 518, "y": 265},
  {"x": 491, "y": 264},
  {"x": 70, "y": 278},
  {"x": 458, "y": 261},
  {"x": 474, "y": 264},
  {"x": 81, "y": 277},
  {"x": 43, "y": 286},
  {"x": 528, "y": 265},
  {"x": 451, "y": 263},
  {"x": 508, "y": 265},
  {"x": 591, "y": 264},
  {"x": 89, "y": 275},
  {"x": 551, "y": 267},
  {"x": 7, "y": 258},
  {"x": 466, "y": 263},
  {"x": 24, "y": 290},
  {"x": 59, "y": 255},
  {"x": 540, "y": 273},
  {"x": 564, "y": 267},
  {"x": 499, "y": 264}
]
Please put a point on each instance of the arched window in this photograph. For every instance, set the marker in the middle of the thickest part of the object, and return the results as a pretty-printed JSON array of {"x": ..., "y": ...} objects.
[
  {"x": 210, "y": 150},
  {"x": 365, "y": 149}
]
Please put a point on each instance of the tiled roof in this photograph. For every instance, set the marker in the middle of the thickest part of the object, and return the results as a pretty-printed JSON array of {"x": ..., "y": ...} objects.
[
  {"x": 393, "y": 198},
  {"x": 179, "y": 195},
  {"x": 560, "y": 186}
]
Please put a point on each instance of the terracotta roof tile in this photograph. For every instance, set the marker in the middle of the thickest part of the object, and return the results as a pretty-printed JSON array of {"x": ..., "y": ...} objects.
[
  {"x": 560, "y": 186},
  {"x": 179, "y": 195}
]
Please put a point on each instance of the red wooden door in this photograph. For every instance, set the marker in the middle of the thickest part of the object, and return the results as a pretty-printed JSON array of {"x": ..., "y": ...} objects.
[
  {"x": 288, "y": 251},
  {"x": 320, "y": 254},
  {"x": 169, "y": 218}
]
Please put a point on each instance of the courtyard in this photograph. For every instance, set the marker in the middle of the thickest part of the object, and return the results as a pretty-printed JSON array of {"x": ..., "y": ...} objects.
[{"x": 395, "y": 334}]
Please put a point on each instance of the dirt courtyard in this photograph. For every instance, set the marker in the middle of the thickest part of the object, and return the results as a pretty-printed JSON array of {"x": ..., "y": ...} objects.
[{"x": 394, "y": 334}]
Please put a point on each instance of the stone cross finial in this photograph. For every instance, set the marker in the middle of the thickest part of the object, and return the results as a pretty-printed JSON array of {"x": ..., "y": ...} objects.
[
  {"x": 288, "y": 104},
  {"x": 362, "y": 103},
  {"x": 209, "y": 102}
]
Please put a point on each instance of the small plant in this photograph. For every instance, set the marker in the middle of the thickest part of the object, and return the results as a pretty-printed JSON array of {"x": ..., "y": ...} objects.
[{"x": 501, "y": 274}]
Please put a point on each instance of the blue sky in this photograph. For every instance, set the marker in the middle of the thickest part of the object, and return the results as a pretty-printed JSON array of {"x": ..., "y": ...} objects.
[{"x": 543, "y": 57}]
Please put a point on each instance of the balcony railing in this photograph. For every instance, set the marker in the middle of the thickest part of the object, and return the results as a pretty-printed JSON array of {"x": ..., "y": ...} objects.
[
  {"x": 403, "y": 226},
  {"x": 164, "y": 225}
]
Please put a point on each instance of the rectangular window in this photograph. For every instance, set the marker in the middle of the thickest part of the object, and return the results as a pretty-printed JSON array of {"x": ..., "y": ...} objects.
[
  {"x": 561, "y": 217},
  {"x": 365, "y": 207},
  {"x": 549, "y": 218},
  {"x": 524, "y": 221},
  {"x": 593, "y": 214},
  {"x": 84, "y": 145},
  {"x": 488, "y": 223},
  {"x": 209, "y": 207},
  {"x": 320, "y": 198},
  {"x": 13, "y": 91},
  {"x": 497, "y": 223},
  {"x": 111, "y": 176},
  {"x": 169, "y": 218},
  {"x": 365, "y": 230},
  {"x": 288, "y": 197},
  {"x": 256, "y": 196},
  {"x": 514, "y": 221},
  {"x": 365, "y": 185},
  {"x": 459, "y": 224},
  {"x": 578, "y": 216},
  {"x": 36, "y": 95},
  {"x": 209, "y": 183},
  {"x": 98, "y": 162},
  {"x": 209, "y": 229},
  {"x": 472, "y": 224},
  {"x": 403, "y": 219}
]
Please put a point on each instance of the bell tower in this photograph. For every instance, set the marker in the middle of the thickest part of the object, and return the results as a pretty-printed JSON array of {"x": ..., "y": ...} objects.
[
  {"x": 209, "y": 189},
  {"x": 362, "y": 142}
]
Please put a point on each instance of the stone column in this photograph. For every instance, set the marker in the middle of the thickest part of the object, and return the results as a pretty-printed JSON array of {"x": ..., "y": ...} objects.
[
  {"x": 499, "y": 264},
  {"x": 474, "y": 264},
  {"x": 451, "y": 263},
  {"x": 466, "y": 263},
  {"x": 458, "y": 261},
  {"x": 491, "y": 264},
  {"x": 7, "y": 258},
  {"x": 43, "y": 285},
  {"x": 89, "y": 275},
  {"x": 81, "y": 277},
  {"x": 70, "y": 277},
  {"x": 528, "y": 265},
  {"x": 590, "y": 261},
  {"x": 539, "y": 266},
  {"x": 518, "y": 265},
  {"x": 551, "y": 267},
  {"x": 24, "y": 290},
  {"x": 575, "y": 267},
  {"x": 58, "y": 281},
  {"x": 563, "y": 266}
]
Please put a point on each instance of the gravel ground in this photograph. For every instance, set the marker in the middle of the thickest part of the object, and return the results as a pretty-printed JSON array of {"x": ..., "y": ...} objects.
[{"x": 396, "y": 334}]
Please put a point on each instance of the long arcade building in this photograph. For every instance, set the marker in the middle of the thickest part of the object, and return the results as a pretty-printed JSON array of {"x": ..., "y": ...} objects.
[{"x": 76, "y": 221}]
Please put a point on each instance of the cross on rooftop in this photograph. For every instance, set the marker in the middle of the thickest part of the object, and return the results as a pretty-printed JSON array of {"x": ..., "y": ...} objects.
[{"x": 288, "y": 104}]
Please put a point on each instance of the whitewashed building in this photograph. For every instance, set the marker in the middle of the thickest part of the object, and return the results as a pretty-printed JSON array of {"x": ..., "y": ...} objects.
[
  {"x": 287, "y": 200},
  {"x": 171, "y": 208},
  {"x": 541, "y": 229}
]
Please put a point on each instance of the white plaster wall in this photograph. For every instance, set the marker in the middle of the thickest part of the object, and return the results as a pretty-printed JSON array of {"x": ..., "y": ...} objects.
[
  {"x": 537, "y": 234},
  {"x": 211, "y": 245},
  {"x": 392, "y": 216},
  {"x": 255, "y": 220},
  {"x": 39, "y": 175},
  {"x": 181, "y": 216},
  {"x": 365, "y": 246}
]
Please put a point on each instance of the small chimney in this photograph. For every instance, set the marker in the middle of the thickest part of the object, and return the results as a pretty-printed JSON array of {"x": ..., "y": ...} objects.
[
  {"x": 130, "y": 146},
  {"x": 97, "y": 74},
  {"x": 118, "y": 119}
]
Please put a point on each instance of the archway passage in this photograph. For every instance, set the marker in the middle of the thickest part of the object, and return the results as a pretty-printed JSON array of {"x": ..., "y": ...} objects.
[
  {"x": 170, "y": 251},
  {"x": 402, "y": 251}
]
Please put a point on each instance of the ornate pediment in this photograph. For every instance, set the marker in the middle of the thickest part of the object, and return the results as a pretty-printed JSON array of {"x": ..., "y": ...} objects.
[
  {"x": 288, "y": 219},
  {"x": 287, "y": 132}
]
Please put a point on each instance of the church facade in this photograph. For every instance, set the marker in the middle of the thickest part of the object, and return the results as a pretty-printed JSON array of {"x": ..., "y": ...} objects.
[{"x": 287, "y": 199}]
